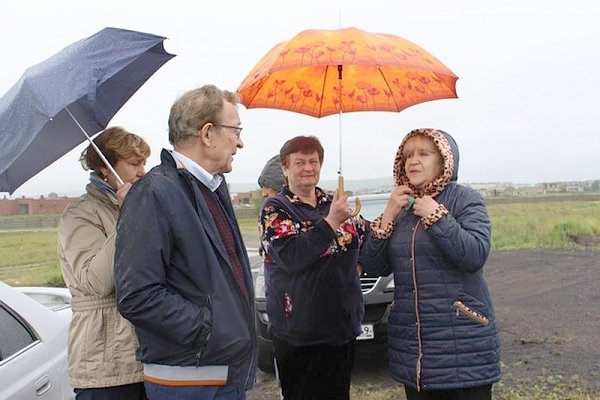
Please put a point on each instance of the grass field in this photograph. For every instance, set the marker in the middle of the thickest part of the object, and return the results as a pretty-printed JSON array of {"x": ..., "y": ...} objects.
[
  {"x": 544, "y": 225},
  {"x": 28, "y": 256}
]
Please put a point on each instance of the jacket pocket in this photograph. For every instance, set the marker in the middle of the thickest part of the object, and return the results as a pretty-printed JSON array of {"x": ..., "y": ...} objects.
[
  {"x": 229, "y": 338},
  {"x": 206, "y": 325},
  {"x": 462, "y": 308}
]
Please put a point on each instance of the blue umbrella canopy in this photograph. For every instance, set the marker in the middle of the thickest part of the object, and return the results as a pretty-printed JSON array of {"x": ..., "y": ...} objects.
[{"x": 75, "y": 92}]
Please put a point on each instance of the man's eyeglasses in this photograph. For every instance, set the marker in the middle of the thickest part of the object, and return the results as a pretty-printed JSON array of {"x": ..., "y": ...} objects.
[{"x": 237, "y": 129}]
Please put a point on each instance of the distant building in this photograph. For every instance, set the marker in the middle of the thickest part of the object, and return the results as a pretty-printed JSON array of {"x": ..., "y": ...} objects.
[
  {"x": 244, "y": 198},
  {"x": 493, "y": 189},
  {"x": 29, "y": 206},
  {"x": 561, "y": 187}
]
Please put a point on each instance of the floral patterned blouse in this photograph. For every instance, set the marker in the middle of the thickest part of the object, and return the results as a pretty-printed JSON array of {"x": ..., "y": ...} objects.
[{"x": 313, "y": 290}]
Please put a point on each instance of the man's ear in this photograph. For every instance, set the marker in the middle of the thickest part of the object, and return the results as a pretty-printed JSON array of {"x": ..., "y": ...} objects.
[{"x": 206, "y": 133}]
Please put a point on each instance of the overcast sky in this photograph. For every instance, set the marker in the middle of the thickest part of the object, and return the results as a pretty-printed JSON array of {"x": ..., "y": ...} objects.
[{"x": 528, "y": 88}]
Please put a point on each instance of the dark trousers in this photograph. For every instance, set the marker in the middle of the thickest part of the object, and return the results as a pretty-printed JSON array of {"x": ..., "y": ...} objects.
[
  {"x": 475, "y": 393},
  {"x": 135, "y": 391},
  {"x": 320, "y": 372},
  {"x": 161, "y": 392}
]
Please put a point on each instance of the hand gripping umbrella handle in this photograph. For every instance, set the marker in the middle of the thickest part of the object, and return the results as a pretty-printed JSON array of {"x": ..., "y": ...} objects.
[
  {"x": 110, "y": 167},
  {"x": 341, "y": 192}
]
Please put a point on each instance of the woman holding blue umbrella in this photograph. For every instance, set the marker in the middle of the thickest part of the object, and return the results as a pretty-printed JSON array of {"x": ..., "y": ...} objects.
[{"x": 102, "y": 344}]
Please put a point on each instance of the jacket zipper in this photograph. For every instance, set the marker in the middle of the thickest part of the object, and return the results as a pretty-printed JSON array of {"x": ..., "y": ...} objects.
[
  {"x": 416, "y": 299},
  {"x": 249, "y": 309},
  {"x": 462, "y": 308}
]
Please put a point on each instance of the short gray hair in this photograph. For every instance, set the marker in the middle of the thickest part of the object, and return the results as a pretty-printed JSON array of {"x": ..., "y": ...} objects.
[{"x": 196, "y": 107}]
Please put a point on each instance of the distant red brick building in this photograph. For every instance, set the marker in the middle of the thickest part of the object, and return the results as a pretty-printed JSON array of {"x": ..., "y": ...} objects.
[
  {"x": 29, "y": 206},
  {"x": 245, "y": 198}
]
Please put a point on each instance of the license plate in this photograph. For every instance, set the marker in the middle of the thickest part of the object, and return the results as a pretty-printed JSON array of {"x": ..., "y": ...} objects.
[{"x": 366, "y": 332}]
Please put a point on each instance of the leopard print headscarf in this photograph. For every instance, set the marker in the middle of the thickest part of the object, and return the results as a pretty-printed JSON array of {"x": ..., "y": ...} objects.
[{"x": 437, "y": 186}]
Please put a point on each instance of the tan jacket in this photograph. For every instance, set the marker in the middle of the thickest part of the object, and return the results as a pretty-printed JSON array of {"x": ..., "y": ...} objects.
[{"x": 102, "y": 344}]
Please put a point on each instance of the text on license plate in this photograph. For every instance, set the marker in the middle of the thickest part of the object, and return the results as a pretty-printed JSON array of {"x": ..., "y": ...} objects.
[{"x": 366, "y": 332}]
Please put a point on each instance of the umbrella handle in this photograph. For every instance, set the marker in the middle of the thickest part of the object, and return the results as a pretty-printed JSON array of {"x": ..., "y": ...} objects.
[{"x": 341, "y": 192}]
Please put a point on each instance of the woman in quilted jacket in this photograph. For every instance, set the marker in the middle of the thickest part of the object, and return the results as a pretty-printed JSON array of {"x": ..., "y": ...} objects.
[{"x": 434, "y": 235}]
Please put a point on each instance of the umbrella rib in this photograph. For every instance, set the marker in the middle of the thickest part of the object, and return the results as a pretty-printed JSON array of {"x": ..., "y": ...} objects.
[
  {"x": 259, "y": 87},
  {"x": 323, "y": 91},
  {"x": 389, "y": 88}
]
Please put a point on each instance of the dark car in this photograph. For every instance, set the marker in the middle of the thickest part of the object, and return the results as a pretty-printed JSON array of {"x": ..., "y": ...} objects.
[{"x": 378, "y": 293}]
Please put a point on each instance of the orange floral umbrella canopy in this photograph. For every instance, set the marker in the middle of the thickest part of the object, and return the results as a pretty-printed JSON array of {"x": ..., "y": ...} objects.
[{"x": 324, "y": 72}]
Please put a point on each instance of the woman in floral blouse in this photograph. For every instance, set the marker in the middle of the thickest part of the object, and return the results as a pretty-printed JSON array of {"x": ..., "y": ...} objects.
[{"x": 314, "y": 298}]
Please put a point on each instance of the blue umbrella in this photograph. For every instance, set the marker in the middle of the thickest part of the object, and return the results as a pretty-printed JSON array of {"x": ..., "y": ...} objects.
[{"x": 73, "y": 94}]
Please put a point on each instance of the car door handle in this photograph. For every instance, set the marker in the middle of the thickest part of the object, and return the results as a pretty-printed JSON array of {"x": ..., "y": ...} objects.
[{"x": 42, "y": 385}]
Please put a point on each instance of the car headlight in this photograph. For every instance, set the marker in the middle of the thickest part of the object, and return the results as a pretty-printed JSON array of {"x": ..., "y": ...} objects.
[{"x": 259, "y": 287}]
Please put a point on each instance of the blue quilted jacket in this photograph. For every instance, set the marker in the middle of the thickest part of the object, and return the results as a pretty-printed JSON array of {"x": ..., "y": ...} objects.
[{"x": 442, "y": 327}]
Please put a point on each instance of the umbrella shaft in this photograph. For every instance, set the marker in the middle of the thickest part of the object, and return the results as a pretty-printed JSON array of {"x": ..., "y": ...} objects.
[
  {"x": 110, "y": 167},
  {"x": 340, "y": 69}
]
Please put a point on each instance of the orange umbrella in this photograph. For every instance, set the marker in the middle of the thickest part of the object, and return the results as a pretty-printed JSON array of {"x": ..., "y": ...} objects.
[
  {"x": 377, "y": 72},
  {"x": 325, "y": 72}
]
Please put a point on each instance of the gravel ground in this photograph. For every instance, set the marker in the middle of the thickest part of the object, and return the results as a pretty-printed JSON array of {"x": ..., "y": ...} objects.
[
  {"x": 548, "y": 310},
  {"x": 547, "y": 305}
]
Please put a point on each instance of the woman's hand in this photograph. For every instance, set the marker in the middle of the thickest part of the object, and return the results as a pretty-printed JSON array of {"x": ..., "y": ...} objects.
[
  {"x": 339, "y": 211},
  {"x": 122, "y": 192},
  {"x": 399, "y": 199},
  {"x": 424, "y": 206}
]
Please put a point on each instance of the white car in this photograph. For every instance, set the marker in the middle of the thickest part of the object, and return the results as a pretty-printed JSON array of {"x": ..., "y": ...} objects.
[{"x": 34, "y": 323}]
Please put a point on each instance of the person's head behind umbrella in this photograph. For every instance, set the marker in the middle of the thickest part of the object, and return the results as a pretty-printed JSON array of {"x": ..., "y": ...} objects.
[
  {"x": 271, "y": 178},
  {"x": 125, "y": 151},
  {"x": 204, "y": 125}
]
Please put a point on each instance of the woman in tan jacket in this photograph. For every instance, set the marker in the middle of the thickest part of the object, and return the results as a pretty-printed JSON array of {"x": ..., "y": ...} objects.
[{"x": 102, "y": 344}]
